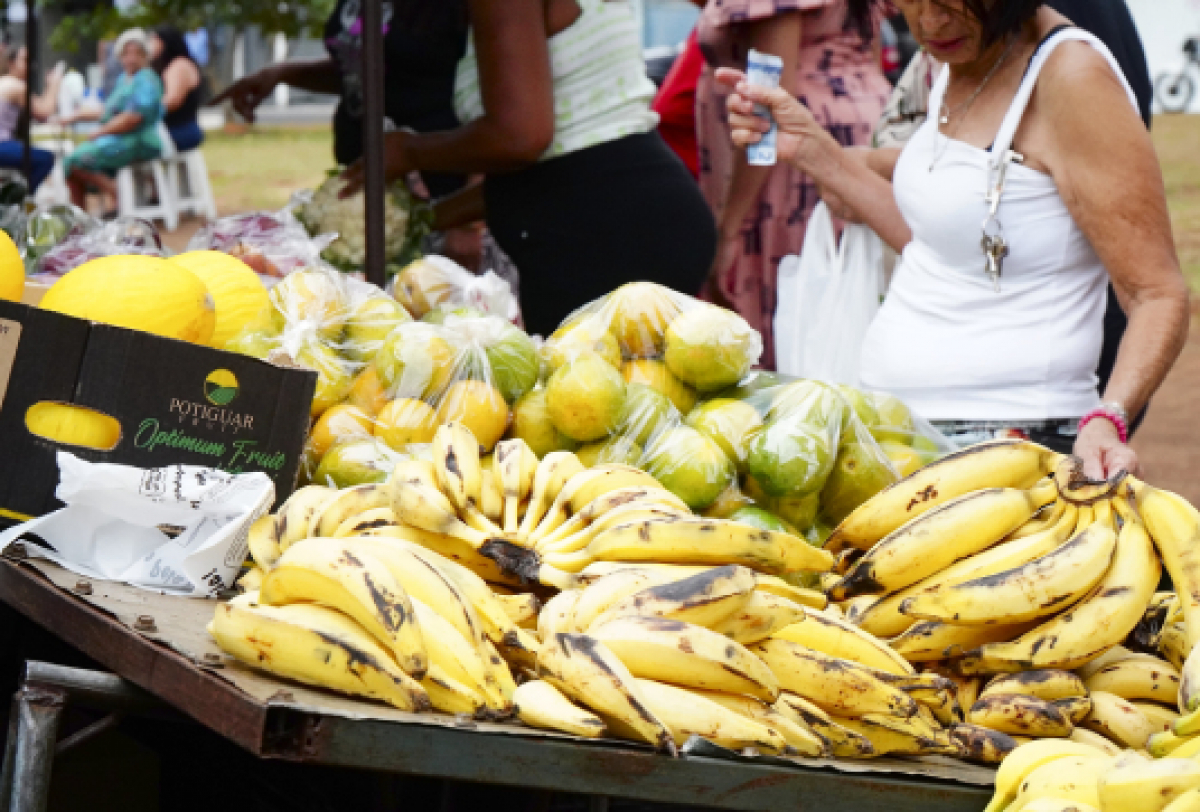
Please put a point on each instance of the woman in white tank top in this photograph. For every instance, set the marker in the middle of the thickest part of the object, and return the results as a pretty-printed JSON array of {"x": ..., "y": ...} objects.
[{"x": 1012, "y": 207}]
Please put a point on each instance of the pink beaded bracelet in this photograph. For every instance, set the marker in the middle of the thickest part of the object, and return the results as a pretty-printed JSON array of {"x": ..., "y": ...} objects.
[{"x": 1112, "y": 417}]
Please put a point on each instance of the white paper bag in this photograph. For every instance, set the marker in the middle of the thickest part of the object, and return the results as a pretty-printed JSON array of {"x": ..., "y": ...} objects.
[{"x": 178, "y": 530}]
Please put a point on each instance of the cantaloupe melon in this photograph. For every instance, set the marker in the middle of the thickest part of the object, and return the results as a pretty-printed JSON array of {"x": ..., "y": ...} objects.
[{"x": 240, "y": 297}]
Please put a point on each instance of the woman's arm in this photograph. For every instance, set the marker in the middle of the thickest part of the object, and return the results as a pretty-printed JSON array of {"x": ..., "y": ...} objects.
[
  {"x": 518, "y": 101},
  {"x": 179, "y": 79},
  {"x": 458, "y": 209},
  {"x": 119, "y": 124},
  {"x": 46, "y": 104},
  {"x": 1120, "y": 204},
  {"x": 247, "y": 93}
]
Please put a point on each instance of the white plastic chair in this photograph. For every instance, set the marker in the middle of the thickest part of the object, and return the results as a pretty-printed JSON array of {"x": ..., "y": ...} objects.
[
  {"x": 188, "y": 174},
  {"x": 128, "y": 202}
]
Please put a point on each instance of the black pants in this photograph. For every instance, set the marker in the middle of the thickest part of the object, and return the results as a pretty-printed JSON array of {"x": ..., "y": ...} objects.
[{"x": 580, "y": 225}]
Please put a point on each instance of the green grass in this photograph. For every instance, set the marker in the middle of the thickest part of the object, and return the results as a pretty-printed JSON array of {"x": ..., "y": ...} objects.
[
  {"x": 1177, "y": 139},
  {"x": 261, "y": 167}
]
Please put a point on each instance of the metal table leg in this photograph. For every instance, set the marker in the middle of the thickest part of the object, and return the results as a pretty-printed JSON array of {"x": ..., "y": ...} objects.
[{"x": 39, "y": 711}]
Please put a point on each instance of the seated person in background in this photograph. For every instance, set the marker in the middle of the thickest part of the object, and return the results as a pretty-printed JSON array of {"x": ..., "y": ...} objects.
[
  {"x": 12, "y": 107},
  {"x": 182, "y": 82},
  {"x": 129, "y": 126}
]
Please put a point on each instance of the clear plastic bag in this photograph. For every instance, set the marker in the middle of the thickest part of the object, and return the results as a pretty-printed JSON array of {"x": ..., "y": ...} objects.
[
  {"x": 828, "y": 297},
  {"x": 88, "y": 240},
  {"x": 273, "y": 244},
  {"x": 434, "y": 282}
]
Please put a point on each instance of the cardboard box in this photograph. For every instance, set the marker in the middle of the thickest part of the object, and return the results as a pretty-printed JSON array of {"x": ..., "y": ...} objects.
[{"x": 176, "y": 403}]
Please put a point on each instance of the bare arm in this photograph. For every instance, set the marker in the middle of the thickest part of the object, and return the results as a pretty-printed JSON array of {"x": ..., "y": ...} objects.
[
  {"x": 1121, "y": 206},
  {"x": 317, "y": 76},
  {"x": 46, "y": 104},
  {"x": 179, "y": 79},
  {"x": 119, "y": 124},
  {"x": 458, "y": 209}
]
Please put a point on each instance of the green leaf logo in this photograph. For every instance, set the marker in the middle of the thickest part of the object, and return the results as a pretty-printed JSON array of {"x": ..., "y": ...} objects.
[{"x": 221, "y": 387}]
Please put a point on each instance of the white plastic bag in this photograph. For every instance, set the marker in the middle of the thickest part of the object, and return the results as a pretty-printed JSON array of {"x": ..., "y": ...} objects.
[
  {"x": 179, "y": 530},
  {"x": 827, "y": 298}
]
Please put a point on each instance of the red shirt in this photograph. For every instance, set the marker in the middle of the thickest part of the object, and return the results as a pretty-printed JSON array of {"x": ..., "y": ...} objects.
[{"x": 676, "y": 105}]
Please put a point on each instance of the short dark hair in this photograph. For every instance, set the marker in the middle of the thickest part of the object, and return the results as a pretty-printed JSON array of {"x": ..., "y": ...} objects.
[{"x": 998, "y": 18}]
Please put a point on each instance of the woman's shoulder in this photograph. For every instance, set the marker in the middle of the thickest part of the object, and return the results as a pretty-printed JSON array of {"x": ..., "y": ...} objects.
[
  {"x": 1075, "y": 63},
  {"x": 184, "y": 68}
]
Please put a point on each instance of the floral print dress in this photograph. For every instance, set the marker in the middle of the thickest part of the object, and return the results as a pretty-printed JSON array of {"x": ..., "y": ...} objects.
[
  {"x": 141, "y": 93},
  {"x": 840, "y": 80}
]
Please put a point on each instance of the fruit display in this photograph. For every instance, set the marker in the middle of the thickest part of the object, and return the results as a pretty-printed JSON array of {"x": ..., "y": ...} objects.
[
  {"x": 272, "y": 244},
  {"x": 85, "y": 240}
]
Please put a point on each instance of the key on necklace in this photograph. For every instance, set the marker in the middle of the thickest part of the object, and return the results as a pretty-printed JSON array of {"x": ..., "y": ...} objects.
[{"x": 995, "y": 249}]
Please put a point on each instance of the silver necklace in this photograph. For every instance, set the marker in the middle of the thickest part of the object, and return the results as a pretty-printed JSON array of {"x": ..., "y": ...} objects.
[{"x": 945, "y": 113}]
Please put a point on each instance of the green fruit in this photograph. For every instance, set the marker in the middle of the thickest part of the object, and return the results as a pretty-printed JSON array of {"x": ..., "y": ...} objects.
[
  {"x": 861, "y": 403},
  {"x": 439, "y": 314},
  {"x": 905, "y": 459},
  {"x": 620, "y": 450},
  {"x": 726, "y": 423},
  {"x": 531, "y": 422},
  {"x": 789, "y": 457},
  {"x": 812, "y": 403},
  {"x": 255, "y": 343},
  {"x": 730, "y": 500},
  {"x": 798, "y": 511},
  {"x": 690, "y": 465},
  {"x": 647, "y": 411},
  {"x": 586, "y": 398},
  {"x": 762, "y": 519},
  {"x": 754, "y": 382},
  {"x": 370, "y": 323},
  {"x": 859, "y": 473},
  {"x": 925, "y": 445},
  {"x": 589, "y": 334},
  {"x": 514, "y": 361},
  {"x": 711, "y": 348},
  {"x": 357, "y": 461},
  {"x": 895, "y": 421},
  {"x": 335, "y": 377},
  {"x": 418, "y": 360}
]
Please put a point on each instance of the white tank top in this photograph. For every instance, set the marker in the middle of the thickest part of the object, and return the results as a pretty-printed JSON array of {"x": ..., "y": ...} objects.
[
  {"x": 944, "y": 340},
  {"x": 601, "y": 91}
]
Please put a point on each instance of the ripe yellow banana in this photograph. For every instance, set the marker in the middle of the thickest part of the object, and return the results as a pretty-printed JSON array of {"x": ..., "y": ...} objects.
[
  {"x": 1073, "y": 778},
  {"x": 764, "y": 615},
  {"x": 448, "y": 547},
  {"x": 981, "y": 744},
  {"x": 296, "y": 514},
  {"x": 1108, "y": 657},
  {"x": 884, "y": 618},
  {"x": 1173, "y": 645},
  {"x": 686, "y": 714},
  {"x": 521, "y": 608},
  {"x": 764, "y": 583},
  {"x": 1041, "y": 587},
  {"x": 644, "y": 508},
  {"x": 354, "y": 582},
  {"x": 263, "y": 540},
  {"x": 587, "y": 672},
  {"x": 1022, "y": 761},
  {"x": 491, "y": 499},
  {"x": 1119, "y": 720},
  {"x": 599, "y": 595},
  {"x": 364, "y": 522},
  {"x": 540, "y": 704},
  {"x": 584, "y": 487},
  {"x": 838, "y": 638},
  {"x": 1075, "y": 708},
  {"x": 455, "y": 655},
  {"x": 838, "y": 686},
  {"x": 1165, "y": 742},
  {"x": 810, "y": 598},
  {"x": 1042, "y": 521},
  {"x": 552, "y": 473},
  {"x": 1103, "y": 744},
  {"x": 1187, "y": 802},
  {"x": 662, "y": 649},
  {"x": 316, "y": 646},
  {"x": 513, "y": 466},
  {"x": 448, "y": 695},
  {"x": 1133, "y": 783},
  {"x": 705, "y": 599},
  {"x": 840, "y": 741},
  {"x": 1020, "y": 715},
  {"x": 1103, "y": 619},
  {"x": 800, "y": 737},
  {"x": 1175, "y": 527},
  {"x": 420, "y": 504},
  {"x": 251, "y": 580},
  {"x": 1001, "y": 464},
  {"x": 929, "y": 640},
  {"x": 346, "y": 504},
  {"x": 902, "y": 737},
  {"x": 936, "y": 539},
  {"x": 1138, "y": 679},
  {"x": 1163, "y": 718},
  {"x": 1048, "y": 684},
  {"x": 558, "y": 614},
  {"x": 456, "y": 465}
]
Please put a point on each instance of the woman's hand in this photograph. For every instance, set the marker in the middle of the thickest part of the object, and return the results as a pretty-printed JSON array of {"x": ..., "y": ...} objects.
[
  {"x": 727, "y": 245},
  {"x": 247, "y": 93},
  {"x": 1102, "y": 452},
  {"x": 397, "y": 163},
  {"x": 800, "y": 139}
]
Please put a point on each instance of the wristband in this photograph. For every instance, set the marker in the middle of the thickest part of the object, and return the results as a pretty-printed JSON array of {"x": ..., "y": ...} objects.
[{"x": 1112, "y": 416}]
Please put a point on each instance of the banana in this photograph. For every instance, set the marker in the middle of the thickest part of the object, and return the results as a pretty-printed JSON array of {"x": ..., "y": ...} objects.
[
  {"x": 448, "y": 547},
  {"x": 936, "y": 539},
  {"x": 1073, "y": 778},
  {"x": 599, "y": 595},
  {"x": 557, "y": 615},
  {"x": 1048, "y": 684},
  {"x": 687, "y": 714},
  {"x": 455, "y": 655},
  {"x": 1165, "y": 742},
  {"x": 521, "y": 609},
  {"x": 263, "y": 539},
  {"x": 552, "y": 472},
  {"x": 1133, "y": 783},
  {"x": 581, "y": 492},
  {"x": 448, "y": 695},
  {"x": 513, "y": 467},
  {"x": 929, "y": 640},
  {"x": 365, "y": 522},
  {"x": 568, "y": 552},
  {"x": 704, "y": 599},
  {"x": 316, "y": 646},
  {"x": 891, "y": 736},
  {"x": 346, "y": 504},
  {"x": 1173, "y": 645},
  {"x": 763, "y": 615},
  {"x": 981, "y": 744},
  {"x": 1082, "y": 735},
  {"x": 574, "y": 534},
  {"x": 1187, "y": 724},
  {"x": 456, "y": 465},
  {"x": 1075, "y": 708},
  {"x": 799, "y": 737},
  {"x": 356, "y": 583},
  {"x": 1161, "y": 717},
  {"x": 1189, "y": 683},
  {"x": 296, "y": 514},
  {"x": 840, "y": 741},
  {"x": 252, "y": 580},
  {"x": 775, "y": 585},
  {"x": 522, "y": 654},
  {"x": 587, "y": 672},
  {"x": 1004, "y": 463},
  {"x": 560, "y": 511},
  {"x": 1187, "y": 802},
  {"x": 1027, "y": 758},
  {"x": 1138, "y": 679},
  {"x": 1057, "y": 805},
  {"x": 1101, "y": 620},
  {"x": 1043, "y": 520},
  {"x": 706, "y": 541},
  {"x": 662, "y": 649},
  {"x": 491, "y": 499},
  {"x": 1188, "y": 747},
  {"x": 1175, "y": 527},
  {"x": 884, "y": 618},
  {"x": 540, "y": 704},
  {"x": 499, "y": 676},
  {"x": 836, "y": 685},
  {"x": 838, "y": 638},
  {"x": 1119, "y": 720},
  {"x": 1020, "y": 715},
  {"x": 1034, "y": 590},
  {"x": 1108, "y": 657},
  {"x": 420, "y": 504}
]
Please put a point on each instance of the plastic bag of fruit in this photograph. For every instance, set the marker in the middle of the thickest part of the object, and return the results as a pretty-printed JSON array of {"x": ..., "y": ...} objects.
[
  {"x": 274, "y": 244},
  {"x": 437, "y": 282},
  {"x": 87, "y": 240}
]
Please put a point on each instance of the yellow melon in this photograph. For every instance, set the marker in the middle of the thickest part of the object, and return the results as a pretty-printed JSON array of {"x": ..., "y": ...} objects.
[
  {"x": 12, "y": 270},
  {"x": 73, "y": 425},
  {"x": 137, "y": 292},
  {"x": 240, "y": 297}
]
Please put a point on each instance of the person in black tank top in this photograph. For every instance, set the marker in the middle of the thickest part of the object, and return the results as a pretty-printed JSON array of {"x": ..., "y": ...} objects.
[{"x": 183, "y": 86}]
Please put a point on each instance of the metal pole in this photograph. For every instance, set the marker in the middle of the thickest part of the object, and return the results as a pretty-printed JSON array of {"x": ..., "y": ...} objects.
[
  {"x": 31, "y": 61},
  {"x": 38, "y": 713},
  {"x": 90, "y": 688},
  {"x": 372, "y": 54}
]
